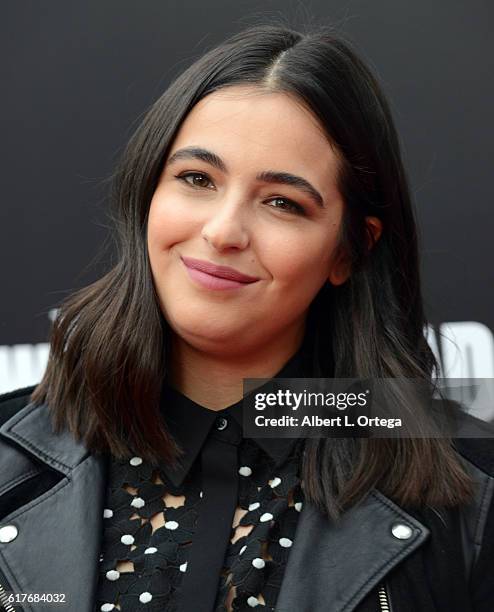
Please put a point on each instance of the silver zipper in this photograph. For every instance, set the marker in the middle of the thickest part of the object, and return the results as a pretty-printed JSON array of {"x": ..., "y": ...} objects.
[
  {"x": 4, "y": 600},
  {"x": 384, "y": 599}
]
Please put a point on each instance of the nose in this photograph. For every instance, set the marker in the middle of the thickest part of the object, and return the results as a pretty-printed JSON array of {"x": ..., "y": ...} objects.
[{"x": 226, "y": 228}]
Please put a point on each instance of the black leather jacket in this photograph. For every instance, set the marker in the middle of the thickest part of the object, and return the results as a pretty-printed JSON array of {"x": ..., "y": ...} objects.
[{"x": 378, "y": 557}]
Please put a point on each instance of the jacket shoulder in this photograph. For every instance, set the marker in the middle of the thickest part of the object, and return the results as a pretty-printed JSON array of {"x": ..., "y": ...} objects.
[
  {"x": 471, "y": 437},
  {"x": 479, "y": 451},
  {"x": 13, "y": 401}
]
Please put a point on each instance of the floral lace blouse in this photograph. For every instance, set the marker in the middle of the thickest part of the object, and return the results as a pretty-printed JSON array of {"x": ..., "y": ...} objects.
[{"x": 212, "y": 535}]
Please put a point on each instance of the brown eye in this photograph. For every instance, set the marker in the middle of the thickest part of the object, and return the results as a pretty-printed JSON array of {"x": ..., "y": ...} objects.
[
  {"x": 197, "y": 179},
  {"x": 287, "y": 205}
]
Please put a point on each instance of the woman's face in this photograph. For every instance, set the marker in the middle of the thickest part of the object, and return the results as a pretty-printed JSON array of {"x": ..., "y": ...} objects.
[{"x": 249, "y": 183}]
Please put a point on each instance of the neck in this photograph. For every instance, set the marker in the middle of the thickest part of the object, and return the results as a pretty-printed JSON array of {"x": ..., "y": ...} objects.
[{"x": 215, "y": 380}]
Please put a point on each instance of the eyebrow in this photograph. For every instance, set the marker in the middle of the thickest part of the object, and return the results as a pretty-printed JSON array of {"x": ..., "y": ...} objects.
[{"x": 267, "y": 176}]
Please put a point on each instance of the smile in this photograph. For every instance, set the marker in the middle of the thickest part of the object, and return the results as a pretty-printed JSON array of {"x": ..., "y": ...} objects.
[{"x": 213, "y": 281}]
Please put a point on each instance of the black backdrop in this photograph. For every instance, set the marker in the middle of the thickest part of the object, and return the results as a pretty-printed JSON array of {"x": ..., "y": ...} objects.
[{"x": 78, "y": 76}]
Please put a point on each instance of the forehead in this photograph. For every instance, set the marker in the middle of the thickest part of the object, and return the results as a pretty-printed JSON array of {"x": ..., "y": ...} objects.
[{"x": 256, "y": 129}]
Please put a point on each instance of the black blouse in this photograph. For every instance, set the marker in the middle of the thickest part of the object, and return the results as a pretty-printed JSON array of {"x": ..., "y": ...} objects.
[{"x": 215, "y": 533}]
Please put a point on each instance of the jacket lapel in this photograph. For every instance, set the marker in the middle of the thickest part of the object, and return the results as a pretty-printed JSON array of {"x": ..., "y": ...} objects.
[
  {"x": 59, "y": 533},
  {"x": 331, "y": 567}
]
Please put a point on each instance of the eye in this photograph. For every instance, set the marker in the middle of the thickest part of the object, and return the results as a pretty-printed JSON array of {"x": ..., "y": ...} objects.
[
  {"x": 202, "y": 178},
  {"x": 290, "y": 206}
]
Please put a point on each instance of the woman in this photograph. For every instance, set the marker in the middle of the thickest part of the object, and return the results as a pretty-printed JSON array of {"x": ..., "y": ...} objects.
[{"x": 265, "y": 230}]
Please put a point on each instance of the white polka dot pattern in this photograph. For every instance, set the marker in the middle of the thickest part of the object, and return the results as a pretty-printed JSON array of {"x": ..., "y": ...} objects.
[
  {"x": 145, "y": 597},
  {"x": 171, "y": 525},
  {"x": 113, "y": 575},
  {"x": 138, "y": 502},
  {"x": 150, "y": 529}
]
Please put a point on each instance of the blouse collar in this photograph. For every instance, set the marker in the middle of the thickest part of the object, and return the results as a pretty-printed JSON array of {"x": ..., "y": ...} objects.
[{"x": 190, "y": 423}]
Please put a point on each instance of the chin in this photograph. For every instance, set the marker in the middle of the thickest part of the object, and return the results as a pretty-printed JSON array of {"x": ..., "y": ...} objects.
[
  {"x": 213, "y": 339},
  {"x": 201, "y": 329}
]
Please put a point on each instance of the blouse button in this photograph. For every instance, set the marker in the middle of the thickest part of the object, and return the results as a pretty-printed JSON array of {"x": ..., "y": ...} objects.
[{"x": 221, "y": 423}]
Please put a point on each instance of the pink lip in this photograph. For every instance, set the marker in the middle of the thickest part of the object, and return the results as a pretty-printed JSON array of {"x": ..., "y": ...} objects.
[
  {"x": 213, "y": 276},
  {"x": 216, "y": 270}
]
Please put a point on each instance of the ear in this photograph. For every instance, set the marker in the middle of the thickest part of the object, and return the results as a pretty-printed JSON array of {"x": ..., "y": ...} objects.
[
  {"x": 374, "y": 228},
  {"x": 341, "y": 268}
]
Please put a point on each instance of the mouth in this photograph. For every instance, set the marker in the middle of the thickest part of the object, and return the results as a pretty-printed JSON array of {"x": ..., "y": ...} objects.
[{"x": 213, "y": 276}]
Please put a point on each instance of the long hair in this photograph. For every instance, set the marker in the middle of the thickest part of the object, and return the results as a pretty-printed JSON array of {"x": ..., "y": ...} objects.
[{"x": 109, "y": 343}]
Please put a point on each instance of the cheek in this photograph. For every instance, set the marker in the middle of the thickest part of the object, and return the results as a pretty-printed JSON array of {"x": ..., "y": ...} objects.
[
  {"x": 302, "y": 259},
  {"x": 168, "y": 223}
]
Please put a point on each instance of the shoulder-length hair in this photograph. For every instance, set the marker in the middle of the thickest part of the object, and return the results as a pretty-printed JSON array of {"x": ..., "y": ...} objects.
[{"x": 109, "y": 342}]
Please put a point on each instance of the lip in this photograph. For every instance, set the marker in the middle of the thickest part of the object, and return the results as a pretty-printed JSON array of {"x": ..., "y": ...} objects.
[{"x": 224, "y": 272}]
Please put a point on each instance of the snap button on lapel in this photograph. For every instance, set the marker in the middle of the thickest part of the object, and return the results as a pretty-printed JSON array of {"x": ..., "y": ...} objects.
[
  {"x": 401, "y": 531},
  {"x": 8, "y": 533}
]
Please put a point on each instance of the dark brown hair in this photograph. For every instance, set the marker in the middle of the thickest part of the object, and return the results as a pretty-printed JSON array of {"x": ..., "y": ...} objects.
[{"x": 109, "y": 342}]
